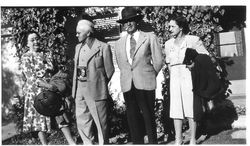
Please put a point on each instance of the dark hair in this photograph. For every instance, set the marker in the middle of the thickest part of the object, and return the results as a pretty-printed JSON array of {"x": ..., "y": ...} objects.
[
  {"x": 181, "y": 22},
  {"x": 25, "y": 37}
]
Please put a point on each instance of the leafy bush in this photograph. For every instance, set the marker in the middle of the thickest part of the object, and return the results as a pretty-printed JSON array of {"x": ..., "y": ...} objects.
[
  {"x": 50, "y": 23},
  {"x": 17, "y": 112},
  {"x": 204, "y": 21}
]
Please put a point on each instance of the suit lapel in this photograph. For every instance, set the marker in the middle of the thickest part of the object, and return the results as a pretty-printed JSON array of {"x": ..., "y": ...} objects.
[
  {"x": 93, "y": 50},
  {"x": 141, "y": 40}
]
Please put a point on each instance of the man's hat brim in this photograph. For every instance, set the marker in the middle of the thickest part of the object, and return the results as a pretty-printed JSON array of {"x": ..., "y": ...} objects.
[{"x": 136, "y": 18}]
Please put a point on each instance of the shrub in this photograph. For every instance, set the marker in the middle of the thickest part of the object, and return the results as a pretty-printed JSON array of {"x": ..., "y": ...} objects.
[{"x": 50, "y": 23}]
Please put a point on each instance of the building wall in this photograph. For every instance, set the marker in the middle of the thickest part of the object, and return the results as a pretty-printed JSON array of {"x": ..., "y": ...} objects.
[
  {"x": 237, "y": 71},
  {"x": 238, "y": 87},
  {"x": 232, "y": 49}
]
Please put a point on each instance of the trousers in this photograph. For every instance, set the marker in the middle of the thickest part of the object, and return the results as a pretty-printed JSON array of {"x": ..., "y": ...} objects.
[
  {"x": 141, "y": 115},
  {"x": 88, "y": 113}
]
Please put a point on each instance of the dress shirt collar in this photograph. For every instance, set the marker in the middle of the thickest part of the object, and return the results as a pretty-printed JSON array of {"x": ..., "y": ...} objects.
[
  {"x": 135, "y": 35},
  {"x": 89, "y": 41}
]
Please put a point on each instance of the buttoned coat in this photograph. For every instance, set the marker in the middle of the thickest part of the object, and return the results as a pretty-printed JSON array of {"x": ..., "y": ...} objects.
[
  {"x": 146, "y": 64},
  {"x": 100, "y": 69}
]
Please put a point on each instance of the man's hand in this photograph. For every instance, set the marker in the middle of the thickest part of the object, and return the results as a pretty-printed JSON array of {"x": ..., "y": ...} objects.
[{"x": 69, "y": 101}]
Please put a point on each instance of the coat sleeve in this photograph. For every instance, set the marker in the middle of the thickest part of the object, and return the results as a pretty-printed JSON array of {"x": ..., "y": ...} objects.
[
  {"x": 198, "y": 46},
  {"x": 74, "y": 76},
  {"x": 156, "y": 51},
  {"x": 167, "y": 52},
  {"x": 108, "y": 62},
  {"x": 157, "y": 56},
  {"x": 59, "y": 80}
]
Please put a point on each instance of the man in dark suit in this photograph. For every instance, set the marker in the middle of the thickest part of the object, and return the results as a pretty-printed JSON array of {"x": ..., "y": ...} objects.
[
  {"x": 92, "y": 71},
  {"x": 139, "y": 58}
]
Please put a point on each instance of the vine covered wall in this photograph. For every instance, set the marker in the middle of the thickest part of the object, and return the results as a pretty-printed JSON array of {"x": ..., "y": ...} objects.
[
  {"x": 204, "y": 21},
  {"x": 56, "y": 30}
]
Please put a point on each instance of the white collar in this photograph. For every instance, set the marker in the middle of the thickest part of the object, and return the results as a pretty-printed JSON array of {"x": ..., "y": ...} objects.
[{"x": 135, "y": 35}]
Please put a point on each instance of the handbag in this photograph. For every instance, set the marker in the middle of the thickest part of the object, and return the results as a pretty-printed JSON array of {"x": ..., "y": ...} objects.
[{"x": 48, "y": 103}]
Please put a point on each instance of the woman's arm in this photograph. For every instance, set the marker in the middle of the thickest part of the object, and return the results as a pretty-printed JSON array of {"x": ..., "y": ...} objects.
[
  {"x": 167, "y": 52},
  {"x": 198, "y": 46},
  {"x": 44, "y": 84}
]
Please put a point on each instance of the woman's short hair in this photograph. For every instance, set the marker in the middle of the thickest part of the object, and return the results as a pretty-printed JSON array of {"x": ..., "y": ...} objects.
[
  {"x": 181, "y": 21},
  {"x": 25, "y": 37}
]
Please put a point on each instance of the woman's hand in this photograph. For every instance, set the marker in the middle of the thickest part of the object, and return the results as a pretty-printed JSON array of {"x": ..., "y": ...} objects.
[
  {"x": 69, "y": 101},
  {"x": 190, "y": 66},
  {"x": 169, "y": 68},
  {"x": 43, "y": 84}
]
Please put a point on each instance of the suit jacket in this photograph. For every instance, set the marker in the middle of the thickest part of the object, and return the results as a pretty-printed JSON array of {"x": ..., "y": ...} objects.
[
  {"x": 146, "y": 64},
  {"x": 100, "y": 69}
]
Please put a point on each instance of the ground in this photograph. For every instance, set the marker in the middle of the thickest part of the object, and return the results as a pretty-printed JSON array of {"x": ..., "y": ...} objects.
[
  {"x": 229, "y": 136},
  {"x": 236, "y": 134}
]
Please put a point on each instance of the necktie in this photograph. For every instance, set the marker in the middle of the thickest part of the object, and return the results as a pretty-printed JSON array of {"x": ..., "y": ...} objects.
[{"x": 132, "y": 46}]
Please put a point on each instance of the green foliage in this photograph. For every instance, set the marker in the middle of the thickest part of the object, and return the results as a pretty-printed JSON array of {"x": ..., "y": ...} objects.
[
  {"x": 204, "y": 21},
  {"x": 159, "y": 118},
  {"x": 9, "y": 85},
  {"x": 50, "y": 25},
  {"x": 100, "y": 11},
  {"x": 18, "y": 112},
  {"x": 241, "y": 110},
  {"x": 48, "y": 22},
  {"x": 117, "y": 119}
]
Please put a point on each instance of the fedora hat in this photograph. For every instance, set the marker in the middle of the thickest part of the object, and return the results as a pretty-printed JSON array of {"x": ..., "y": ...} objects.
[{"x": 130, "y": 13}]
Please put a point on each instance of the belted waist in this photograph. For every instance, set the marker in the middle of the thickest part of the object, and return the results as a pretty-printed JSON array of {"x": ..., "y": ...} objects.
[
  {"x": 176, "y": 64},
  {"x": 82, "y": 73},
  {"x": 81, "y": 79}
]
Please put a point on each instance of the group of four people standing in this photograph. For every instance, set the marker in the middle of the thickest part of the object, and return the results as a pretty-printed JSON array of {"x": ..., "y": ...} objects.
[{"x": 139, "y": 58}]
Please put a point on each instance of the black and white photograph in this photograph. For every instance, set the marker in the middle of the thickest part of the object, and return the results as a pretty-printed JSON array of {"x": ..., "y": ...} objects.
[{"x": 123, "y": 74}]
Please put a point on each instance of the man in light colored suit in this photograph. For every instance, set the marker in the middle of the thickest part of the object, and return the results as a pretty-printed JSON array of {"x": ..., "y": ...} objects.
[
  {"x": 92, "y": 71},
  {"x": 139, "y": 58}
]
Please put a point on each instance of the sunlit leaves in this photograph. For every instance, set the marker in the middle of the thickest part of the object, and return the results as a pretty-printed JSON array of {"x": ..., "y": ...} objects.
[
  {"x": 48, "y": 22},
  {"x": 203, "y": 20}
]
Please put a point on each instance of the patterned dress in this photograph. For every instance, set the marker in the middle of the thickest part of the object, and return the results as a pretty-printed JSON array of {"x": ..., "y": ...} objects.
[{"x": 34, "y": 66}]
